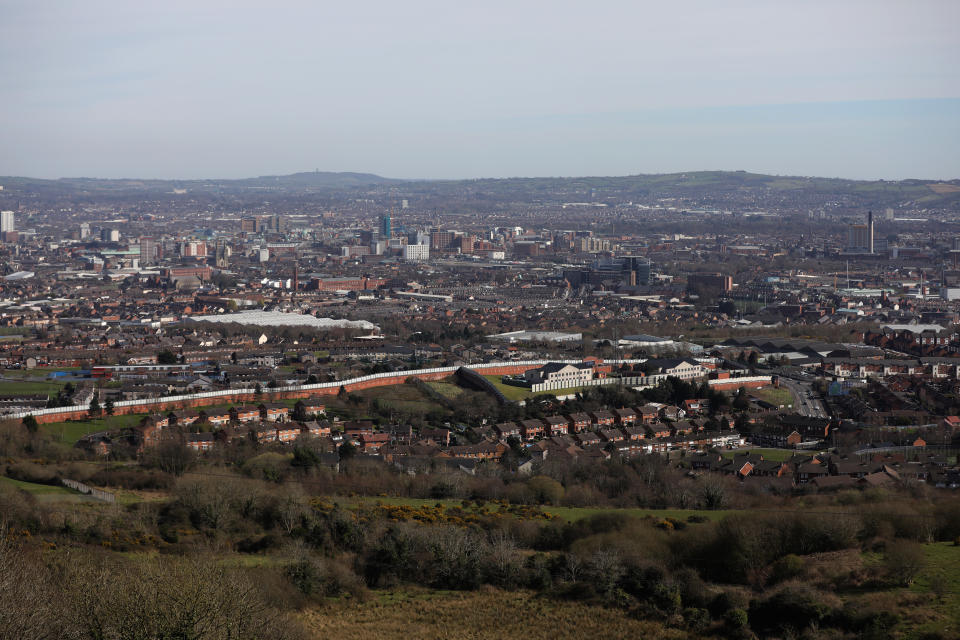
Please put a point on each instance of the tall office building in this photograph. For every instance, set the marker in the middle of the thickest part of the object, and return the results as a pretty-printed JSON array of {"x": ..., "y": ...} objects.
[
  {"x": 84, "y": 230},
  {"x": 636, "y": 270},
  {"x": 149, "y": 250},
  {"x": 860, "y": 236},
  {"x": 278, "y": 224},
  {"x": 386, "y": 231},
  {"x": 7, "y": 222}
]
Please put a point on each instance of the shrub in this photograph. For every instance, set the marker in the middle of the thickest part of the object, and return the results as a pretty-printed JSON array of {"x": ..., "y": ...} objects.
[
  {"x": 736, "y": 618},
  {"x": 903, "y": 561},
  {"x": 786, "y": 568},
  {"x": 793, "y": 608},
  {"x": 695, "y": 619}
]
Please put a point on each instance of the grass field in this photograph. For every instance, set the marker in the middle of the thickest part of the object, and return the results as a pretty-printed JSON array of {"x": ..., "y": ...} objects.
[
  {"x": 779, "y": 455},
  {"x": 37, "y": 489},
  {"x": 70, "y": 432},
  {"x": 446, "y": 389},
  {"x": 402, "y": 397},
  {"x": 776, "y": 397},
  {"x": 46, "y": 492},
  {"x": 479, "y": 615},
  {"x": 13, "y": 387}
]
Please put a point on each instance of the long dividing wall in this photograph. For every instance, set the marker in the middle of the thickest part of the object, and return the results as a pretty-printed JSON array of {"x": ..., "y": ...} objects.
[{"x": 235, "y": 396}]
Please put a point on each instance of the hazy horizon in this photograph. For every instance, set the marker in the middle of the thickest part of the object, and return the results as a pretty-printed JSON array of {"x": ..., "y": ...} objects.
[{"x": 430, "y": 90}]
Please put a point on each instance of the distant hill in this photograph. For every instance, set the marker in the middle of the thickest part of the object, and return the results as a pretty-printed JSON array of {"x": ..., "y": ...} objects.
[
  {"x": 319, "y": 180},
  {"x": 724, "y": 186}
]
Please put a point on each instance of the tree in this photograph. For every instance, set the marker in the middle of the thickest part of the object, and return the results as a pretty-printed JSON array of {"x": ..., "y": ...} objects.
[
  {"x": 95, "y": 410},
  {"x": 172, "y": 456},
  {"x": 108, "y": 407},
  {"x": 258, "y": 390},
  {"x": 904, "y": 560},
  {"x": 546, "y": 490},
  {"x": 741, "y": 402},
  {"x": 166, "y": 357},
  {"x": 31, "y": 424}
]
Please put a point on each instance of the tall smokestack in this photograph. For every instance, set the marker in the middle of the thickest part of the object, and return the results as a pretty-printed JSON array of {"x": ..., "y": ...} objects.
[{"x": 870, "y": 228}]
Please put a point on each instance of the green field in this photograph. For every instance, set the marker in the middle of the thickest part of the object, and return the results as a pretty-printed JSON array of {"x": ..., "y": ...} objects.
[
  {"x": 45, "y": 492},
  {"x": 70, "y": 432},
  {"x": 777, "y": 397},
  {"x": 402, "y": 397},
  {"x": 779, "y": 455},
  {"x": 446, "y": 389},
  {"x": 11, "y": 387},
  {"x": 37, "y": 489}
]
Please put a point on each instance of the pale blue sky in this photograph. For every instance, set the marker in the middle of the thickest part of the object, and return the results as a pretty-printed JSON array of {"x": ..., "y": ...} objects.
[{"x": 859, "y": 89}]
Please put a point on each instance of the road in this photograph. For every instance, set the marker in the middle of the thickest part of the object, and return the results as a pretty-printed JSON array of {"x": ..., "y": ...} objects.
[{"x": 804, "y": 404}]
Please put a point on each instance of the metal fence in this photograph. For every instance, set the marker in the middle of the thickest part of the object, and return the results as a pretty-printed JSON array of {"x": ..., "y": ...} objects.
[{"x": 97, "y": 494}]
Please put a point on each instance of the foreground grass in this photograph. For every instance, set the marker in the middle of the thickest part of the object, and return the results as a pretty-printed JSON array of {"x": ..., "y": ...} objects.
[
  {"x": 943, "y": 566},
  {"x": 487, "y": 614}
]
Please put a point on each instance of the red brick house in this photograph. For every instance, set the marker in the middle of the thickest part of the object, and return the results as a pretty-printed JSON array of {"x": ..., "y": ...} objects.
[
  {"x": 602, "y": 418},
  {"x": 481, "y": 451},
  {"x": 315, "y": 429},
  {"x": 440, "y": 436},
  {"x": 612, "y": 435},
  {"x": 625, "y": 417},
  {"x": 274, "y": 412},
  {"x": 218, "y": 417},
  {"x": 532, "y": 429},
  {"x": 507, "y": 429},
  {"x": 370, "y": 442},
  {"x": 184, "y": 418},
  {"x": 311, "y": 406},
  {"x": 287, "y": 432},
  {"x": 578, "y": 422},
  {"x": 648, "y": 413},
  {"x": 244, "y": 414},
  {"x": 588, "y": 438},
  {"x": 660, "y": 431},
  {"x": 264, "y": 433},
  {"x": 557, "y": 425},
  {"x": 200, "y": 441}
]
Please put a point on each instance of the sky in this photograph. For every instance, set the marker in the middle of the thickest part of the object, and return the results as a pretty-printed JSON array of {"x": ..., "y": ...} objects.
[{"x": 441, "y": 89}]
